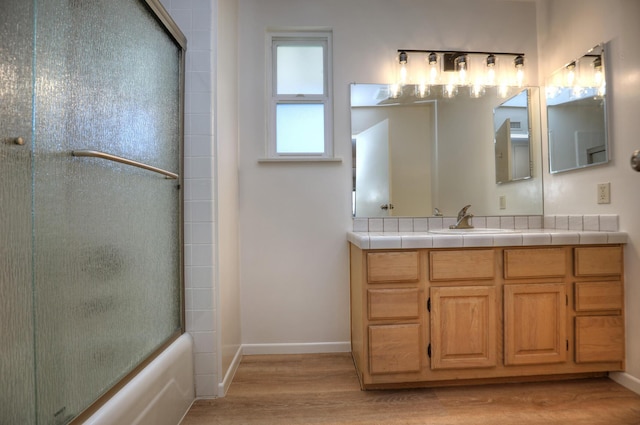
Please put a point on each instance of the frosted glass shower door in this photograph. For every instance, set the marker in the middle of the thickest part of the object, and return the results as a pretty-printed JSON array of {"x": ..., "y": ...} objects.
[
  {"x": 17, "y": 396},
  {"x": 107, "y": 245}
]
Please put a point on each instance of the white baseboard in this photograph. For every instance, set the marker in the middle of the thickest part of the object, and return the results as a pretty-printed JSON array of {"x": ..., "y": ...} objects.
[
  {"x": 626, "y": 380},
  {"x": 223, "y": 386},
  {"x": 294, "y": 348}
]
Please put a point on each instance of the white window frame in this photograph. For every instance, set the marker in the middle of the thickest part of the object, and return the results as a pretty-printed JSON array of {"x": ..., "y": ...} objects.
[{"x": 316, "y": 38}]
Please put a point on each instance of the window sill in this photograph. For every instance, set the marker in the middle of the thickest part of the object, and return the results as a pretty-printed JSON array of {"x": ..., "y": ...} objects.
[{"x": 298, "y": 159}]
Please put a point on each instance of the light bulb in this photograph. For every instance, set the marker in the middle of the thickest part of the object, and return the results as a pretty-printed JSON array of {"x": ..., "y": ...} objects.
[
  {"x": 402, "y": 74},
  {"x": 433, "y": 68},
  {"x": 519, "y": 64},
  {"x": 422, "y": 90},
  {"x": 519, "y": 77},
  {"x": 477, "y": 90},
  {"x": 491, "y": 70},
  {"x": 450, "y": 90},
  {"x": 462, "y": 70},
  {"x": 394, "y": 91},
  {"x": 571, "y": 74},
  {"x": 503, "y": 90}
]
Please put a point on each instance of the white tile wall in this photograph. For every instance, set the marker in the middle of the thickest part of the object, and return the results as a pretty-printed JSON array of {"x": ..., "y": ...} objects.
[
  {"x": 590, "y": 222},
  {"x": 195, "y": 19}
]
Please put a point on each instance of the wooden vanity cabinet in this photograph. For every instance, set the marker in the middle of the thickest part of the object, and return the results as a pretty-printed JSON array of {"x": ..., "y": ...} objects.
[
  {"x": 599, "y": 305},
  {"x": 387, "y": 314},
  {"x": 430, "y": 317}
]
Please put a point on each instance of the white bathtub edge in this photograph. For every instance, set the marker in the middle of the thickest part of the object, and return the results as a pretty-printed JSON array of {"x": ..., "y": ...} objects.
[{"x": 160, "y": 394}]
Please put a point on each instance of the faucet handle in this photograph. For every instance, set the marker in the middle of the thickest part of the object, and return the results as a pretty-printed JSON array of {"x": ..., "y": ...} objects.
[{"x": 463, "y": 212}]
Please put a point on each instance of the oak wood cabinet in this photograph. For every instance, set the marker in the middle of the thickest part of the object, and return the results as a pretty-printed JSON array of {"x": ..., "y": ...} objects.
[
  {"x": 427, "y": 317},
  {"x": 463, "y": 327}
]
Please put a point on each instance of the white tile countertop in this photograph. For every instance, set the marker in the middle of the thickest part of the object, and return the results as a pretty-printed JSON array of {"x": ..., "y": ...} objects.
[
  {"x": 433, "y": 232},
  {"x": 524, "y": 237}
]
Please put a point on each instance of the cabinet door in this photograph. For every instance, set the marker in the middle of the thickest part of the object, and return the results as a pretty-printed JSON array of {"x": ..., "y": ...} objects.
[
  {"x": 463, "y": 327},
  {"x": 535, "y": 324},
  {"x": 599, "y": 339},
  {"x": 395, "y": 348}
]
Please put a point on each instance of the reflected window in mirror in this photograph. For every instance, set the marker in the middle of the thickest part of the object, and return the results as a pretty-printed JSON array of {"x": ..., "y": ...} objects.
[{"x": 576, "y": 113}]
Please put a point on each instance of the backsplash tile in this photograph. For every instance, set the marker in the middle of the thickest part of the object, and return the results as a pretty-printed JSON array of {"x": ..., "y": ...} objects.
[
  {"x": 405, "y": 225},
  {"x": 609, "y": 223},
  {"x": 574, "y": 222}
]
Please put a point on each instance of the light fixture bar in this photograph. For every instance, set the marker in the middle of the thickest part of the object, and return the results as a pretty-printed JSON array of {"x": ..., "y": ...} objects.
[{"x": 461, "y": 52}]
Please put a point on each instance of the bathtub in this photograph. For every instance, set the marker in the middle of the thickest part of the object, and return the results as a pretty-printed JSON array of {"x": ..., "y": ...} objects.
[{"x": 160, "y": 394}]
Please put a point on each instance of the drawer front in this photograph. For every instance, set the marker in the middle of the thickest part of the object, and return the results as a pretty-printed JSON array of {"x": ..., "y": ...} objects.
[
  {"x": 394, "y": 348},
  {"x": 386, "y": 267},
  {"x": 599, "y": 339},
  {"x": 594, "y": 296},
  {"x": 393, "y": 304},
  {"x": 543, "y": 262},
  {"x": 461, "y": 265},
  {"x": 598, "y": 261}
]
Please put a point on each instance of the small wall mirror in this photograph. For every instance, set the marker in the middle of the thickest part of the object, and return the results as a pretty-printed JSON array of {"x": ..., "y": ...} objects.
[
  {"x": 576, "y": 113},
  {"x": 415, "y": 153},
  {"x": 512, "y": 139}
]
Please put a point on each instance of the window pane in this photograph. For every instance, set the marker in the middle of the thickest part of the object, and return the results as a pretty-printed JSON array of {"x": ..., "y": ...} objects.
[
  {"x": 300, "y": 70},
  {"x": 300, "y": 128}
]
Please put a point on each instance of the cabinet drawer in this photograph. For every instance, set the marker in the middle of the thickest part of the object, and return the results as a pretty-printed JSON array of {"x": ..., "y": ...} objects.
[
  {"x": 599, "y": 339},
  {"x": 394, "y": 348},
  {"x": 461, "y": 265},
  {"x": 593, "y": 296},
  {"x": 598, "y": 261},
  {"x": 393, "y": 304},
  {"x": 383, "y": 267},
  {"x": 543, "y": 262}
]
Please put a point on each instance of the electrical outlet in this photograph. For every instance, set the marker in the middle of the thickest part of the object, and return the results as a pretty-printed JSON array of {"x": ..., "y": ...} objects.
[
  {"x": 604, "y": 193},
  {"x": 503, "y": 202}
]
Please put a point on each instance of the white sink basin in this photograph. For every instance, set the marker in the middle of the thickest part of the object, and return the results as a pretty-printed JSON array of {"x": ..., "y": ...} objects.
[{"x": 473, "y": 231}]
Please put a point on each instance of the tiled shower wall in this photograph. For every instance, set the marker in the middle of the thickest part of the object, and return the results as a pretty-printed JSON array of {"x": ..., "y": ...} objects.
[{"x": 195, "y": 19}]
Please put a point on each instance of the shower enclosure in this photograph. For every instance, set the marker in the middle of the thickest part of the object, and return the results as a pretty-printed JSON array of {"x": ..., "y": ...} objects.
[{"x": 91, "y": 106}]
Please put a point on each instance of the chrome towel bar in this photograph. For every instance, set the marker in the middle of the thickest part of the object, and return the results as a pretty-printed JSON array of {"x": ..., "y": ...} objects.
[{"x": 109, "y": 157}]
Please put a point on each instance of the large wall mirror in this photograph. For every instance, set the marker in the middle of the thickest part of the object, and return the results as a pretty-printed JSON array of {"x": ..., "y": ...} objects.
[
  {"x": 413, "y": 154},
  {"x": 576, "y": 113}
]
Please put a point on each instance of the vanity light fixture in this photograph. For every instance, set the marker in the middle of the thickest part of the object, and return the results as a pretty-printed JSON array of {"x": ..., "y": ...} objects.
[{"x": 456, "y": 69}]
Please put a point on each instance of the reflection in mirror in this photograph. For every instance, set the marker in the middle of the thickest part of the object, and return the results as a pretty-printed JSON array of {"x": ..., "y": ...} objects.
[
  {"x": 414, "y": 154},
  {"x": 576, "y": 114},
  {"x": 511, "y": 124}
]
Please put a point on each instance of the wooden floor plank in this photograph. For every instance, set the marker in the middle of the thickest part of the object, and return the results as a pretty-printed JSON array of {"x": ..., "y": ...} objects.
[{"x": 322, "y": 389}]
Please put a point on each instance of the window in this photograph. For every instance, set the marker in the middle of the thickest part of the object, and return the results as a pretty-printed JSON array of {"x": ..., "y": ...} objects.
[{"x": 300, "y": 91}]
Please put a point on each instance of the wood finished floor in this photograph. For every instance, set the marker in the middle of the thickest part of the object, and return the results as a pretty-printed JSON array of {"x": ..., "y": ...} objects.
[{"x": 323, "y": 389}]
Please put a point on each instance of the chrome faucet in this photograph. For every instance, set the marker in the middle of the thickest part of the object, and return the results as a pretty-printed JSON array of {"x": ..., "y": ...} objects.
[{"x": 463, "y": 219}]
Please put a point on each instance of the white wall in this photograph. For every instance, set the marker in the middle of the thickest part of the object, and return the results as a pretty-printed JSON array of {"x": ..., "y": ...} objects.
[
  {"x": 226, "y": 155},
  {"x": 567, "y": 29},
  {"x": 294, "y": 217}
]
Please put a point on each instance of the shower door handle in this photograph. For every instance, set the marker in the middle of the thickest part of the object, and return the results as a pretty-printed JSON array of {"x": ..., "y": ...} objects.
[{"x": 109, "y": 157}]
